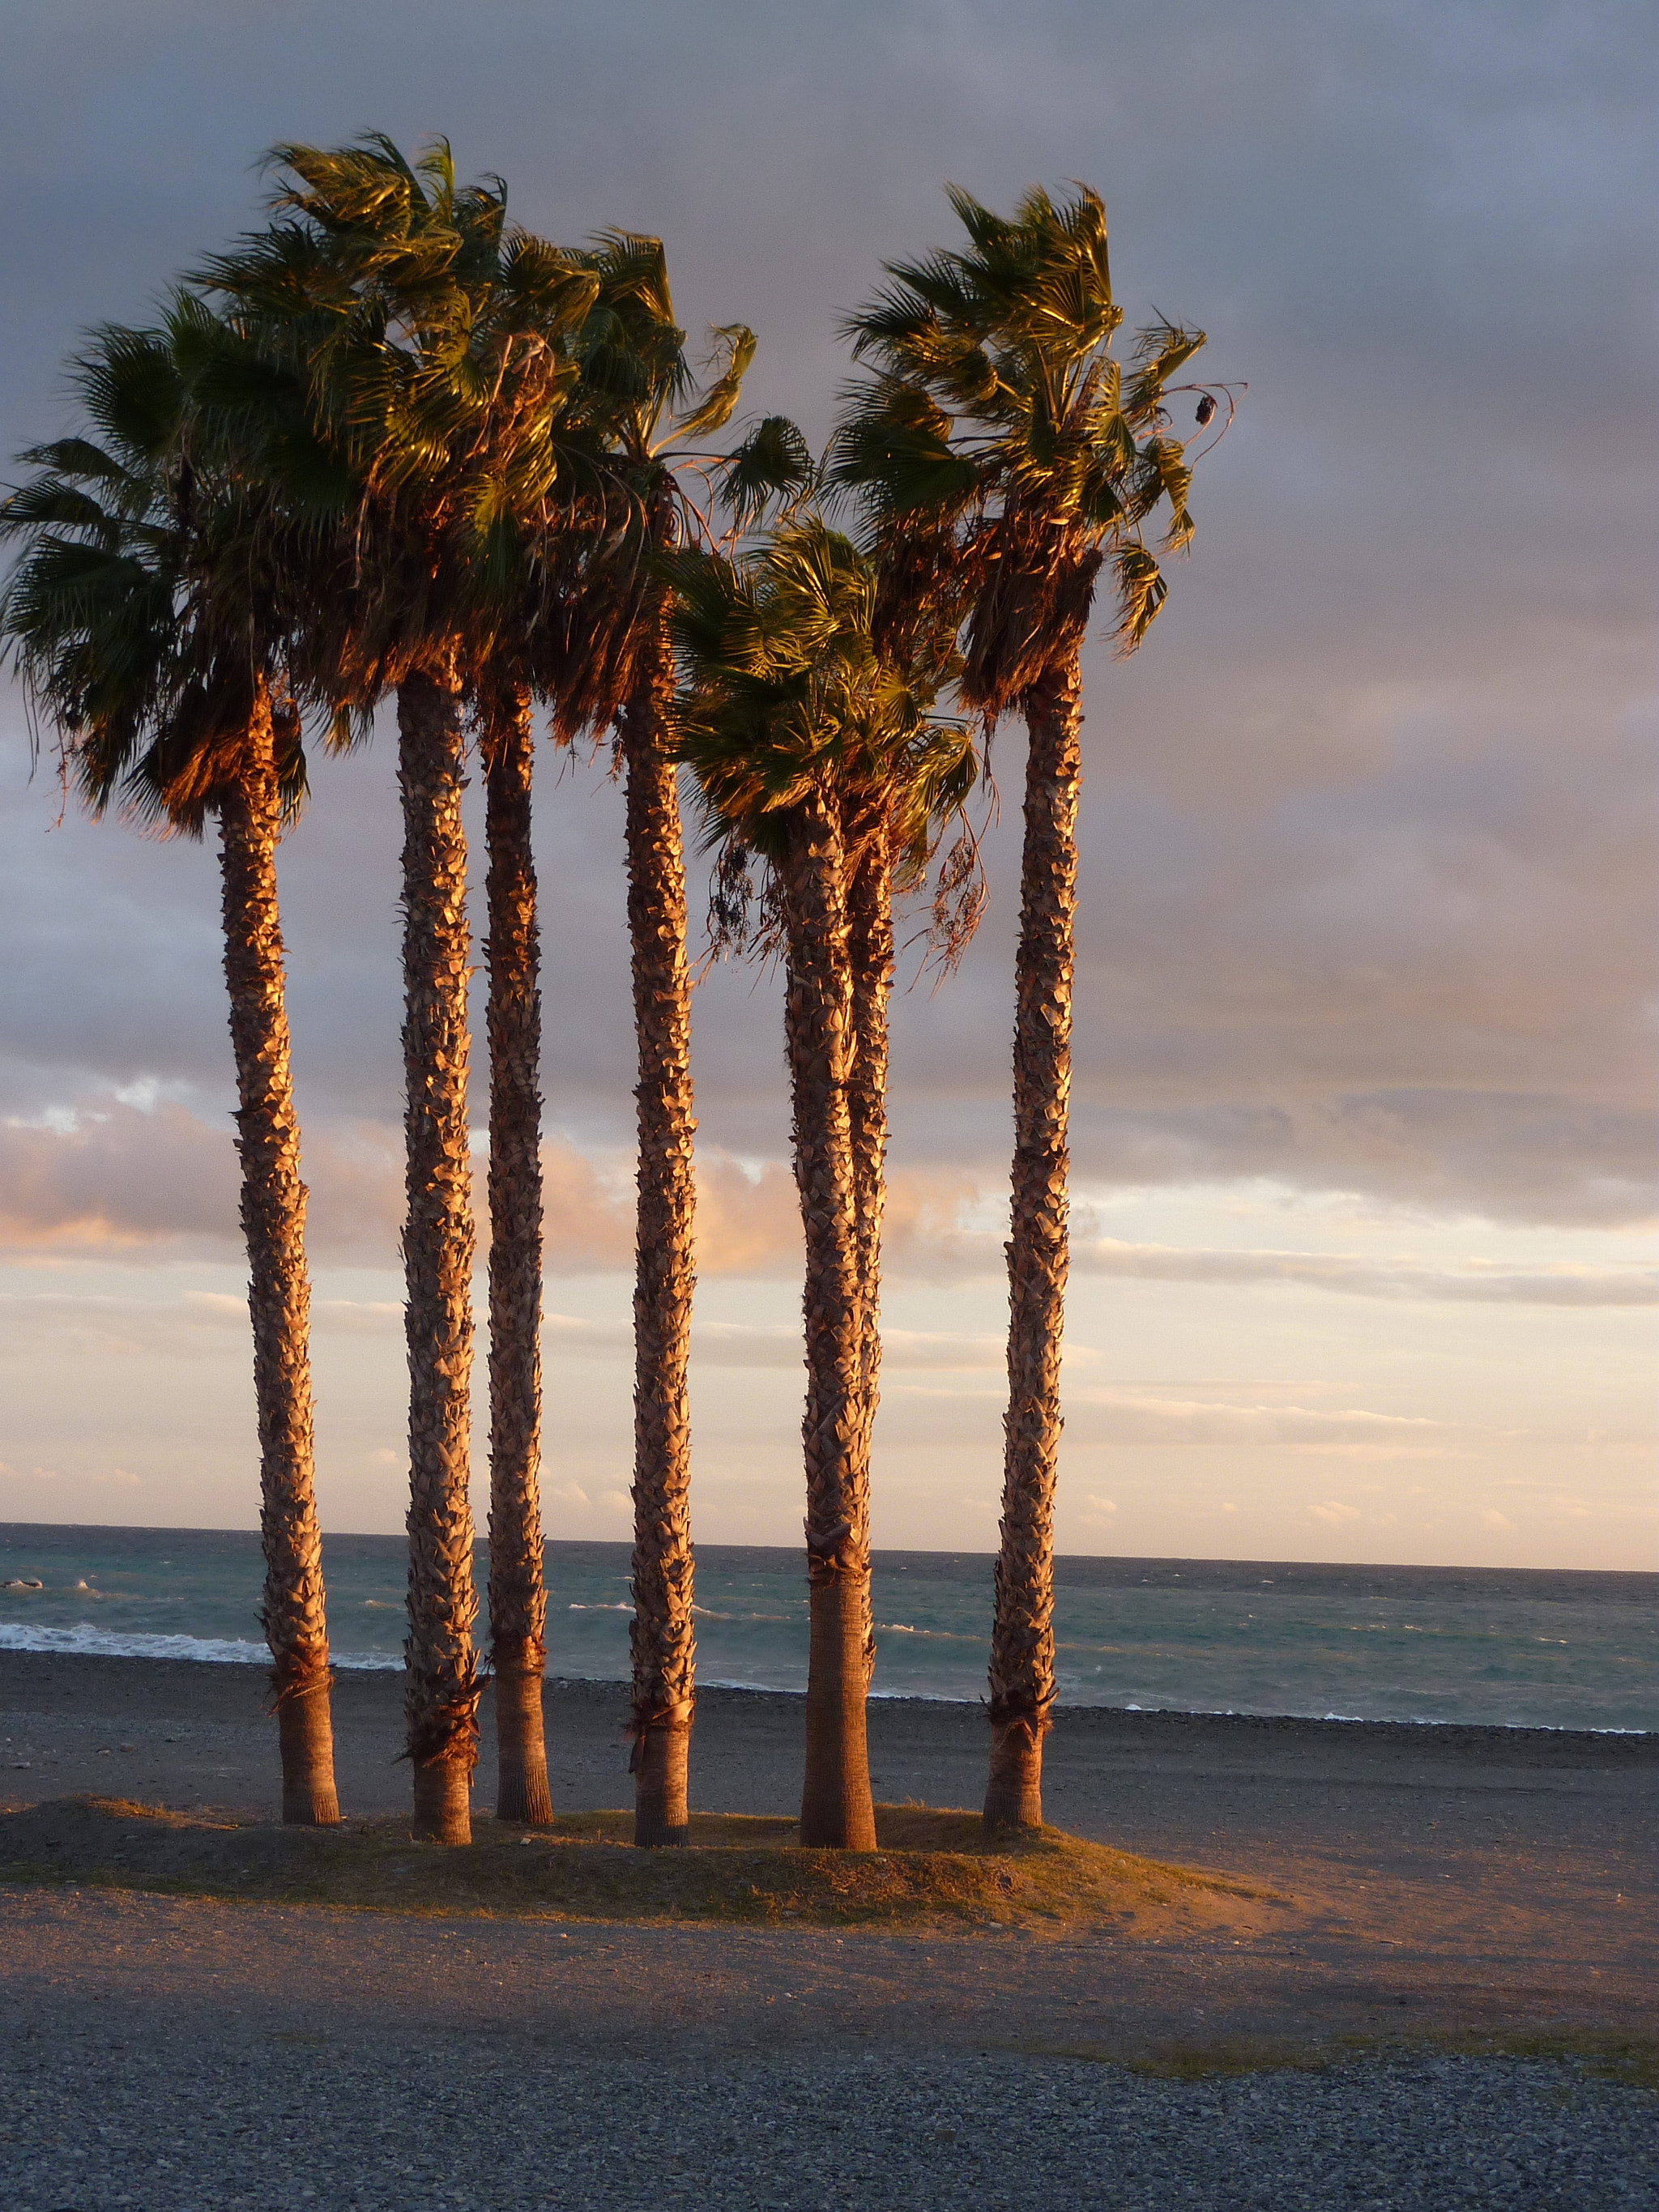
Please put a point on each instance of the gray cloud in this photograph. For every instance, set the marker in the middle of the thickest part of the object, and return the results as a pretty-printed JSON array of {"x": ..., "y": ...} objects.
[
  {"x": 1368, "y": 835},
  {"x": 121, "y": 1181}
]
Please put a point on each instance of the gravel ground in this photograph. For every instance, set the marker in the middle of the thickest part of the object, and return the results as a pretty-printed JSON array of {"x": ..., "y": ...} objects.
[
  {"x": 166, "y": 2054},
  {"x": 280, "y": 2123}
]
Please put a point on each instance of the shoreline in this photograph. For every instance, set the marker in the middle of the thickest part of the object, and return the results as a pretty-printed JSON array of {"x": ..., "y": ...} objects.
[
  {"x": 187, "y": 1731},
  {"x": 254, "y": 1656}
]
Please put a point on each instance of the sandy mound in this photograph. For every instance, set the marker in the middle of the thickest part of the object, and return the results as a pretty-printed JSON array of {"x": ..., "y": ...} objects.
[{"x": 931, "y": 1867}]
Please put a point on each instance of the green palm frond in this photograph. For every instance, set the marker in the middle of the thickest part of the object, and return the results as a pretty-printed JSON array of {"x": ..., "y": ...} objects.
[
  {"x": 159, "y": 576},
  {"x": 413, "y": 356},
  {"x": 632, "y": 481},
  {"x": 788, "y": 698},
  {"x": 1141, "y": 592},
  {"x": 1161, "y": 351},
  {"x": 993, "y": 423},
  {"x": 771, "y": 463},
  {"x": 735, "y": 347}
]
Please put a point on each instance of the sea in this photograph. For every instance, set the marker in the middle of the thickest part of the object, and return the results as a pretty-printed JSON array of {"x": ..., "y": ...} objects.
[{"x": 1496, "y": 1647}]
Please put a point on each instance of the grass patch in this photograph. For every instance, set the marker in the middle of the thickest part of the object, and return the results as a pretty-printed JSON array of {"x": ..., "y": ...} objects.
[
  {"x": 1631, "y": 2059},
  {"x": 930, "y": 1868}
]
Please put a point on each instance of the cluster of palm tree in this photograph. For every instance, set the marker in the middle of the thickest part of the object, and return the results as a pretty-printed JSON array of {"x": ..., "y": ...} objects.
[{"x": 394, "y": 445}]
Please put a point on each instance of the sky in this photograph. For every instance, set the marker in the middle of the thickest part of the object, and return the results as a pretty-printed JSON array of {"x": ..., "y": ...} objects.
[{"x": 1363, "y": 1135}]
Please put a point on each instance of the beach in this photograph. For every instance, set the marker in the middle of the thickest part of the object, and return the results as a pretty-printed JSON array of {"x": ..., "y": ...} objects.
[
  {"x": 1491, "y": 1875},
  {"x": 1422, "y": 1899}
]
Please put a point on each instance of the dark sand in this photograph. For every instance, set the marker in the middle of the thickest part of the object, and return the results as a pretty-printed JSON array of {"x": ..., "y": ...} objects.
[
  {"x": 1439, "y": 1893},
  {"x": 1456, "y": 1879}
]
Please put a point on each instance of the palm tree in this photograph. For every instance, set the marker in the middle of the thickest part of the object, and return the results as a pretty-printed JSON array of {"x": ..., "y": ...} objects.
[
  {"x": 517, "y": 1594},
  {"x": 641, "y": 414},
  {"x": 998, "y": 430},
  {"x": 815, "y": 752},
  {"x": 132, "y": 621},
  {"x": 434, "y": 337}
]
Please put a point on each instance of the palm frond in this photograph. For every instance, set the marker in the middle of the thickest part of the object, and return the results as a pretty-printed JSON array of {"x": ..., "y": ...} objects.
[
  {"x": 994, "y": 424},
  {"x": 772, "y": 463},
  {"x": 734, "y": 346}
]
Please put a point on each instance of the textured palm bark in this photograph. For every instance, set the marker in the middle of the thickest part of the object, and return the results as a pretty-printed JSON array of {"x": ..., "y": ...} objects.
[
  {"x": 837, "y": 1809},
  {"x": 273, "y": 1207},
  {"x": 662, "y": 1633},
  {"x": 870, "y": 930},
  {"x": 441, "y": 1681},
  {"x": 518, "y": 1593},
  {"x": 1021, "y": 1672}
]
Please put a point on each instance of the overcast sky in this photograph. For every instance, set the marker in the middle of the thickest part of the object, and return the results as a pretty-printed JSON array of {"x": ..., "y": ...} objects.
[{"x": 1363, "y": 1135}]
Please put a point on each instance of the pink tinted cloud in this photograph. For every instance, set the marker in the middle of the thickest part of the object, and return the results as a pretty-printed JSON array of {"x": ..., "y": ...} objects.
[{"x": 123, "y": 1180}]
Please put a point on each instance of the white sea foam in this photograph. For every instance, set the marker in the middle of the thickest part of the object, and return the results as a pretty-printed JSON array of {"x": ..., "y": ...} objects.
[{"x": 84, "y": 1639}]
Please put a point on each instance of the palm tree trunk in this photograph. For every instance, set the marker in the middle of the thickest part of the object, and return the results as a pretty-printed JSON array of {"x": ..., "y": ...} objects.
[
  {"x": 662, "y": 1633},
  {"x": 1022, "y": 1637},
  {"x": 870, "y": 930},
  {"x": 517, "y": 1594},
  {"x": 442, "y": 1687},
  {"x": 279, "y": 1287},
  {"x": 837, "y": 1810}
]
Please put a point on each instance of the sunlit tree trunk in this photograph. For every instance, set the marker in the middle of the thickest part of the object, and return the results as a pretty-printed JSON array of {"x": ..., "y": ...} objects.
[
  {"x": 1021, "y": 1672},
  {"x": 279, "y": 1288},
  {"x": 517, "y": 1594},
  {"x": 869, "y": 944},
  {"x": 662, "y": 1634},
  {"x": 442, "y": 1687},
  {"x": 837, "y": 1810}
]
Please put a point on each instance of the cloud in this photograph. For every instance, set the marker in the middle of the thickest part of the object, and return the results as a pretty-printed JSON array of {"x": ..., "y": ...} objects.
[
  {"x": 1115, "y": 1415},
  {"x": 1102, "y": 1415},
  {"x": 748, "y": 1222},
  {"x": 962, "y": 1254},
  {"x": 108, "y": 1177},
  {"x": 1368, "y": 832},
  {"x": 737, "y": 1343},
  {"x": 117, "y": 1178},
  {"x": 1479, "y": 1282},
  {"x": 113, "y": 1179}
]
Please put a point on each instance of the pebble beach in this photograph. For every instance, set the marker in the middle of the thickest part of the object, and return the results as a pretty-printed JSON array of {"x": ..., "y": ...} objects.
[{"x": 1447, "y": 2004}]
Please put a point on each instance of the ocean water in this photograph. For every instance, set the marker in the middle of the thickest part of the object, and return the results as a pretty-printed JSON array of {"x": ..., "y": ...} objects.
[{"x": 1494, "y": 1646}]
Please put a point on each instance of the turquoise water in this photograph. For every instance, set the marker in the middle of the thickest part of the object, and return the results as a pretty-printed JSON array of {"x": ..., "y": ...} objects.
[{"x": 1501, "y": 1647}]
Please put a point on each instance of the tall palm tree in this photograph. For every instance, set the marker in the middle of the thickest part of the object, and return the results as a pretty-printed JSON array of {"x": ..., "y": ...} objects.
[
  {"x": 998, "y": 429},
  {"x": 817, "y": 753},
  {"x": 145, "y": 616},
  {"x": 433, "y": 337},
  {"x": 642, "y": 415},
  {"x": 518, "y": 1594}
]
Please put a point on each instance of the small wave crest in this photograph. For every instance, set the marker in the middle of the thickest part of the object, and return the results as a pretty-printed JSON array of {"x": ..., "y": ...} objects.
[
  {"x": 84, "y": 1640},
  {"x": 929, "y": 1635}
]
